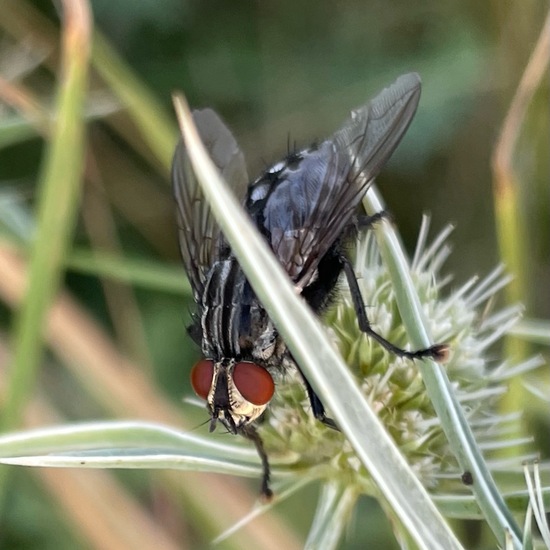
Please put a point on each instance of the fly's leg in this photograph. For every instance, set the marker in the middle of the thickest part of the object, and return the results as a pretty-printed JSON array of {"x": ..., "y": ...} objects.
[
  {"x": 438, "y": 352},
  {"x": 317, "y": 407},
  {"x": 249, "y": 431},
  {"x": 367, "y": 222}
]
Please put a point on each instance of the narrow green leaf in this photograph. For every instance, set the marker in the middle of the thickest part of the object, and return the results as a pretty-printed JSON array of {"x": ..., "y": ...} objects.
[
  {"x": 527, "y": 542},
  {"x": 334, "y": 509},
  {"x": 140, "y": 272},
  {"x": 156, "y": 127},
  {"x": 448, "y": 409},
  {"x": 57, "y": 206},
  {"x": 126, "y": 445},
  {"x": 533, "y": 330},
  {"x": 16, "y": 129},
  {"x": 467, "y": 507}
]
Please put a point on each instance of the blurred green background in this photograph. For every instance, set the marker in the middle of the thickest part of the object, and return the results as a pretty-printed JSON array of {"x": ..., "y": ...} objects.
[{"x": 278, "y": 73}]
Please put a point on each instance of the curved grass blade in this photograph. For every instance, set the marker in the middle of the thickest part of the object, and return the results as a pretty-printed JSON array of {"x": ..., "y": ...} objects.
[
  {"x": 126, "y": 445},
  {"x": 334, "y": 508},
  {"x": 448, "y": 409},
  {"x": 60, "y": 191}
]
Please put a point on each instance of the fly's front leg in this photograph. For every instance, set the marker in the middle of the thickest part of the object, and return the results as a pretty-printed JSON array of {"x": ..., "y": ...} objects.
[
  {"x": 317, "y": 407},
  {"x": 438, "y": 352},
  {"x": 250, "y": 432}
]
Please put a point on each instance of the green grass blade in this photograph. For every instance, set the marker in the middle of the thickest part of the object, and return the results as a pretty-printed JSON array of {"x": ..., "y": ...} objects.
[
  {"x": 15, "y": 129},
  {"x": 533, "y": 330},
  {"x": 140, "y": 272},
  {"x": 448, "y": 409},
  {"x": 156, "y": 128},
  {"x": 145, "y": 273},
  {"x": 466, "y": 506},
  {"x": 125, "y": 445},
  {"x": 57, "y": 205},
  {"x": 334, "y": 509}
]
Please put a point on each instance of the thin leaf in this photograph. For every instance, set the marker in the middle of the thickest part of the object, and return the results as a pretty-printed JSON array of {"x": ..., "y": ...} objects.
[
  {"x": 139, "y": 272},
  {"x": 536, "y": 501},
  {"x": 532, "y": 330},
  {"x": 466, "y": 506},
  {"x": 527, "y": 542},
  {"x": 156, "y": 128},
  {"x": 126, "y": 445},
  {"x": 335, "y": 505},
  {"x": 447, "y": 407},
  {"x": 57, "y": 206},
  {"x": 284, "y": 491}
]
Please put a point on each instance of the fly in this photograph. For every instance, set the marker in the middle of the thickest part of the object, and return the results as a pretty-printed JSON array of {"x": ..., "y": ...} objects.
[{"x": 305, "y": 206}]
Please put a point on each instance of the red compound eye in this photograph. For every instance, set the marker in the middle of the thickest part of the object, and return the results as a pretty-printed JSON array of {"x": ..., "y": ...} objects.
[
  {"x": 201, "y": 377},
  {"x": 254, "y": 383}
]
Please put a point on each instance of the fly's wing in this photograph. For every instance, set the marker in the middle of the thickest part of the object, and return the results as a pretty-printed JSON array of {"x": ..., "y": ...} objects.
[
  {"x": 198, "y": 232},
  {"x": 306, "y": 214}
]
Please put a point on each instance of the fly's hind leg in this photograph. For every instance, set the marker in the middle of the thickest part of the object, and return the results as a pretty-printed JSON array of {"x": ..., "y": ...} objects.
[{"x": 437, "y": 352}]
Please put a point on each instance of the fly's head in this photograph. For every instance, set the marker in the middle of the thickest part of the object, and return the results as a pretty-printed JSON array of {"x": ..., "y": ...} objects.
[{"x": 236, "y": 392}]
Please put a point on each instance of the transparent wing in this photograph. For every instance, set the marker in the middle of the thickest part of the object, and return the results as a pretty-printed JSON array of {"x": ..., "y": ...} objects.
[
  {"x": 199, "y": 234},
  {"x": 310, "y": 208}
]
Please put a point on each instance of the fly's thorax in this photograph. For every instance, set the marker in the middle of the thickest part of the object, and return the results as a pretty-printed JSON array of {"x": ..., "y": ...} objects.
[
  {"x": 234, "y": 323},
  {"x": 220, "y": 309}
]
